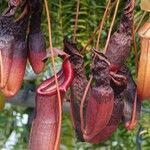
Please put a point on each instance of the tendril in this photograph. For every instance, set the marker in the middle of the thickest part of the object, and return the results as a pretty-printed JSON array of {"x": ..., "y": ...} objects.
[
  {"x": 111, "y": 26},
  {"x": 55, "y": 75},
  {"x": 76, "y": 21}
]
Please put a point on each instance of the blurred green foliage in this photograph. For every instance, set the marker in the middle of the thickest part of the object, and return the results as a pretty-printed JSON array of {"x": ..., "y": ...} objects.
[{"x": 62, "y": 17}]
